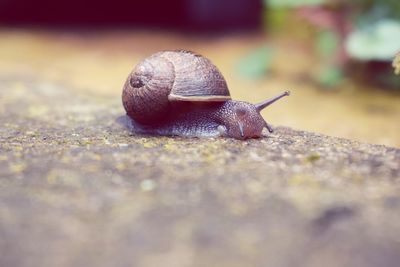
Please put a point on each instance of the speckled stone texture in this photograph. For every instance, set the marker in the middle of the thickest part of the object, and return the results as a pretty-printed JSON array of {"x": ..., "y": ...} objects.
[{"x": 77, "y": 189}]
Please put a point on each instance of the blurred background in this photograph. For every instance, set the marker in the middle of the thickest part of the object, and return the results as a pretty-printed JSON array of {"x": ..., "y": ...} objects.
[{"x": 336, "y": 56}]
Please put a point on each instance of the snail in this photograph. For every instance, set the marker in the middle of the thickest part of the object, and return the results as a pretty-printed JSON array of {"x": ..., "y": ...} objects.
[{"x": 182, "y": 93}]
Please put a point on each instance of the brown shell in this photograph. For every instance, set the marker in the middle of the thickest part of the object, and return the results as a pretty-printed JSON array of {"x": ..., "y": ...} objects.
[
  {"x": 171, "y": 76},
  {"x": 196, "y": 78}
]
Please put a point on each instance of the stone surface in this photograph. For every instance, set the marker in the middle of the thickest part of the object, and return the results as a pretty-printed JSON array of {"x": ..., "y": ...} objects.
[{"x": 78, "y": 189}]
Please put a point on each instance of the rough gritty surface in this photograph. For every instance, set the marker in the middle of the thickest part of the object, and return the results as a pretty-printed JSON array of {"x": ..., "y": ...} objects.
[{"x": 77, "y": 189}]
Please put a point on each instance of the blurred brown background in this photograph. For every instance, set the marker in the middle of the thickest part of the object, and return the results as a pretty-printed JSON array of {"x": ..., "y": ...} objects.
[{"x": 320, "y": 50}]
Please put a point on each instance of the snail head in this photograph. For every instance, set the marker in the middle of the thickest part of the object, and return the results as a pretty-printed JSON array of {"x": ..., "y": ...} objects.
[{"x": 243, "y": 120}]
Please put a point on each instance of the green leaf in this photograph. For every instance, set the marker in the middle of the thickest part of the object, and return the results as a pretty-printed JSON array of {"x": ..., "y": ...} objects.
[
  {"x": 330, "y": 77},
  {"x": 327, "y": 43}
]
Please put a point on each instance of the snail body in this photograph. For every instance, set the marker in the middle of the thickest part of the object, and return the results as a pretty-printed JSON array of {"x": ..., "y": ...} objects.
[{"x": 182, "y": 93}]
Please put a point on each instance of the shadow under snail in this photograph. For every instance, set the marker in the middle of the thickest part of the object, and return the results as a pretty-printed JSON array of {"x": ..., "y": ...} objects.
[{"x": 182, "y": 93}]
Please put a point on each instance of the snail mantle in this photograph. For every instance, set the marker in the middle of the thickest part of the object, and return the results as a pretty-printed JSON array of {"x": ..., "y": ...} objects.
[{"x": 184, "y": 94}]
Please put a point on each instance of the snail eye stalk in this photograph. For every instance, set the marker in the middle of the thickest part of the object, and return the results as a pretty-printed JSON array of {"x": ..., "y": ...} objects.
[
  {"x": 269, "y": 128},
  {"x": 260, "y": 106}
]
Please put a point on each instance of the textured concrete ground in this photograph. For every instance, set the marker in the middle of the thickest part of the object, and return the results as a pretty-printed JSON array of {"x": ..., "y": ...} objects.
[{"x": 78, "y": 189}]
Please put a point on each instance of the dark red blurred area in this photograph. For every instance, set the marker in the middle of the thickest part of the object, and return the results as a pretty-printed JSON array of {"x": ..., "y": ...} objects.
[{"x": 208, "y": 15}]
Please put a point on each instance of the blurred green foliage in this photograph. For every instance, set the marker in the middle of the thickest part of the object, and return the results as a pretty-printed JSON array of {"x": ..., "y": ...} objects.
[
  {"x": 363, "y": 30},
  {"x": 376, "y": 33},
  {"x": 329, "y": 76},
  {"x": 378, "y": 41},
  {"x": 256, "y": 63},
  {"x": 371, "y": 10},
  {"x": 326, "y": 43}
]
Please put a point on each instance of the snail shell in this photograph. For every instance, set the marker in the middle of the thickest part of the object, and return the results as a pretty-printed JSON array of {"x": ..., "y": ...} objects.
[{"x": 171, "y": 77}]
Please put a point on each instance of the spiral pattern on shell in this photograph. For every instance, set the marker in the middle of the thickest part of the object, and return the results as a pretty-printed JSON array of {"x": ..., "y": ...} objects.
[{"x": 171, "y": 76}]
